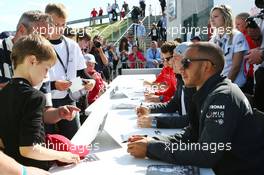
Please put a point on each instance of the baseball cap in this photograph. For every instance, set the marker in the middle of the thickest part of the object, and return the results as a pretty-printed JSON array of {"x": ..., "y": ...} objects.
[
  {"x": 90, "y": 58},
  {"x": 60, "y": 143},
  {"x": 181, "y": 48}
]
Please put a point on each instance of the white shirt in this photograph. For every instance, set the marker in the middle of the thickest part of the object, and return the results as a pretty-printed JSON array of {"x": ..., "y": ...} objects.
[
  {"x": 76, "y": 62},
  {"x": 182, "y": 103},
  {"x": 47, "y": 92},
  {"x": 239, "y": 44}
]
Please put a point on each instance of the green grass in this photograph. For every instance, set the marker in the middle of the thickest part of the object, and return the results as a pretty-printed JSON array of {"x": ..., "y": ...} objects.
[{"x": 107, "y": 30}]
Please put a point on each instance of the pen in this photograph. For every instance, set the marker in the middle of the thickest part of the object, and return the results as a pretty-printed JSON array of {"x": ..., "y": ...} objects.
[{"x": 125, "y": 141}]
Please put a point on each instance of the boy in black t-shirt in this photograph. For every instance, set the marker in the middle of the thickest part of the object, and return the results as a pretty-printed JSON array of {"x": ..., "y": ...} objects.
[{"x": 22, "y": 133}]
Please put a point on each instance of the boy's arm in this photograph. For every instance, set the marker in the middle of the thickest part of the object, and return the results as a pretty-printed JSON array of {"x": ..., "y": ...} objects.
[
  {"x": 54, "y": 115},
  {"x": 31, "y": 134},
  {"x": 10, "y": 166},
  {"x": 39, "y": 152}
]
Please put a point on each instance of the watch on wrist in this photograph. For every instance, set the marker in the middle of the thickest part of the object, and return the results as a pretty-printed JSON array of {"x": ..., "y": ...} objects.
[
  {"x": 154, "y": 123},
  {"x": 161, "y": 98}
]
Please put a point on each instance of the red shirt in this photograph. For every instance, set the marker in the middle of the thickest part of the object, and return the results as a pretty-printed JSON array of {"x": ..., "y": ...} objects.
[
  {"x": 94, "y": 13},
  {"x": 132, "y": 59},
  {"x": 167, "y": 76},
  {"x": 250, "y": 70},
  {"x": 99, "y": 86}
]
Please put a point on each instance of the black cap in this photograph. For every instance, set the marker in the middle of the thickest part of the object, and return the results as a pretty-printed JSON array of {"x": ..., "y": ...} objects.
[
  {"x": 4, "y": 35},
  {"x": 252, "y": 24},
  {"x": 259, "y": 3}
]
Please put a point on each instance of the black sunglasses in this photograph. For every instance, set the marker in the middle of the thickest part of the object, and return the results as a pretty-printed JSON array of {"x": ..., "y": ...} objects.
[
  {"x": 185, "y": 62},
  {"x": 84, "y": 50},
  {"x": 168, "y": 58}
]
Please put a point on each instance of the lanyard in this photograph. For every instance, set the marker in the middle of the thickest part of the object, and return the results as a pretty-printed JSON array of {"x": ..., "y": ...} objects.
[{"x": 65, "y": 67}]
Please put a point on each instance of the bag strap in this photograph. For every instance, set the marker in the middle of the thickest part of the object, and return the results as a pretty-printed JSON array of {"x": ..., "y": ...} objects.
[
  {"x": 7, "y": 58},
  {"x": 2, "y": 62}
]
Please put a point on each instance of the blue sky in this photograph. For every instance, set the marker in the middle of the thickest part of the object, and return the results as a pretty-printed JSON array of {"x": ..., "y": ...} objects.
[{"x": 11, "y": 10}]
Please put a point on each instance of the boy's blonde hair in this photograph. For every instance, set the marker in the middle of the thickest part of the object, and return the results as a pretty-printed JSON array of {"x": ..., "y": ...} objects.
[
  {"x": 58, "y": 9},
  {"x": 35, "y": 45}
]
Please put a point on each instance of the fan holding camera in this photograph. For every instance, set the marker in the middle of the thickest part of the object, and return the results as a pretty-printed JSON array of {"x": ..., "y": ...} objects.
[{"x": 100, "y": 57}]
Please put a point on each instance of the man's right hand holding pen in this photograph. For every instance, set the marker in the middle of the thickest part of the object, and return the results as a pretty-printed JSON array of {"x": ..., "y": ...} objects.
[
  {"x": 142, "y": 110},
  {"x": 143, "y": 120},
  {"x": 137, "y": 145}
]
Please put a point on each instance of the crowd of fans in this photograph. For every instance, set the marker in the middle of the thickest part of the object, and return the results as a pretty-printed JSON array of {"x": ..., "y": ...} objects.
[{"x": 66, "y": 56}]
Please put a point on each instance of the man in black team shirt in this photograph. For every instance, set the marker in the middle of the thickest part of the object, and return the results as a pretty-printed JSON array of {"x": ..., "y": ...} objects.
[{"x": 222, "y": 134}]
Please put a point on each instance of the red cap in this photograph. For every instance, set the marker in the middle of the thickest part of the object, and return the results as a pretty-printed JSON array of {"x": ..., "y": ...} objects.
[{"x": 61, "y": 143}]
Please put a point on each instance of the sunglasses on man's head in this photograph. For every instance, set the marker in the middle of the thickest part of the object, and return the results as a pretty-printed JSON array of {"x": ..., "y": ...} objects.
[{"x": 187, "y": 61}]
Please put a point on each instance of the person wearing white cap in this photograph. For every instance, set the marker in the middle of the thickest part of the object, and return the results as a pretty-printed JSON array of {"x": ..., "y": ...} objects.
[
  {"x": 89, "y": 58},
  {"x": 91, "y": 72}
]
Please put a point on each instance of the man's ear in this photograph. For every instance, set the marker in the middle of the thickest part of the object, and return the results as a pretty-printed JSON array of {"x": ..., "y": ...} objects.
[
  {"x": 31, "y": 59},
  {"x": 208, "y": 66},
  {"x": 22, "y": 29}
]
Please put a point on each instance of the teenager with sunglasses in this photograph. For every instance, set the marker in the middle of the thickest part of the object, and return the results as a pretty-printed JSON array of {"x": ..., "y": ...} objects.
[
  {"x": 224, "y": 135},
  {"x": 164, "y": 87}
]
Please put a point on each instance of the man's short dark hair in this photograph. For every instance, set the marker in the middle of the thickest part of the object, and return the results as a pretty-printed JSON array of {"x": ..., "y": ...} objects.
[
  {"x": 30, "y": 17},
  {"x": 168, "y": 46},
  {"x": 212, "y": 52}
]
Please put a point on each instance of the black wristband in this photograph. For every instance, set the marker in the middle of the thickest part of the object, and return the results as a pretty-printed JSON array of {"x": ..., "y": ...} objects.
[{"x": 52, "y": 85}]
